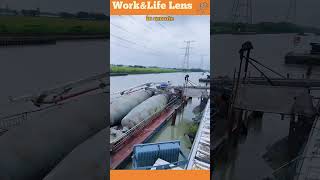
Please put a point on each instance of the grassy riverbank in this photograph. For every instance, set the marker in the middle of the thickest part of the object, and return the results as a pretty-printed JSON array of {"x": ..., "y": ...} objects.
[
  {"x": 26, "y": 26},
  {"x": 261, "y": 28},
  {"x": 140, "y": 70}
]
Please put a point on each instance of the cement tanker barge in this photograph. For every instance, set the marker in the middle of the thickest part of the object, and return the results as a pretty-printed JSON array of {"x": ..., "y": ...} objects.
[{"x": 141, "y": 115}]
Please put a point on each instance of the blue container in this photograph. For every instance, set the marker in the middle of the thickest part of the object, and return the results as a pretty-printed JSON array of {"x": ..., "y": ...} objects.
[
  {"x": 169, "y": 151},
  {"x": 164, "y": 85},
  {"x": 145, "y": 155}
]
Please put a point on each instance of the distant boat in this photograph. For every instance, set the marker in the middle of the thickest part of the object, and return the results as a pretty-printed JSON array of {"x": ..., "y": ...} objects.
[
  {"x": 302, "y": 58},
  {"x": 307, "y": 58},
  {"x": 205, "y": 80}
]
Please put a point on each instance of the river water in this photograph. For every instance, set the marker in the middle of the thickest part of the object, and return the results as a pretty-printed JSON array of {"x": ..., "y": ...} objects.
[
  {"x": 242, "y": 159},
  {"x": 183, "y": 119},
  {"x": 120, "y": 83},
  {"x": 25, "y": 70}
]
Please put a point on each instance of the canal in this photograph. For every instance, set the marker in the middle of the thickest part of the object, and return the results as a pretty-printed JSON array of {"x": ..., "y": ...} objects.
[
  {"x": 244, "y": 156},
  {"x": 25, "y": 70},
  {"x": 183, "y": 120}
]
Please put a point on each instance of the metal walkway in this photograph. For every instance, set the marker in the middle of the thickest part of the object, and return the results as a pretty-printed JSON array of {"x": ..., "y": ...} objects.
[
  {"x": 309, "y": 166},
  {"x": 196, "y": 91},
  {"x": 274, "y": 99},
  {"x": 199, "y": 157}
]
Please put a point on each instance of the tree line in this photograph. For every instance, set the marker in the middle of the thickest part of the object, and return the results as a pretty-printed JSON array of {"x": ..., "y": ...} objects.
[{"x": 37, "y": 12}]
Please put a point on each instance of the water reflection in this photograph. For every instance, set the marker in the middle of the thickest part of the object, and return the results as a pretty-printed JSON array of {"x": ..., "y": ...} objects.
[
  {"x": 238, "y": 151},
  {"x": 26, "y": 70}
]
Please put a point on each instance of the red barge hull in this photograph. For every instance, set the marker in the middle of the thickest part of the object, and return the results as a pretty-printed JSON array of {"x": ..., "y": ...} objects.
[{"x": 124, "y": 152}]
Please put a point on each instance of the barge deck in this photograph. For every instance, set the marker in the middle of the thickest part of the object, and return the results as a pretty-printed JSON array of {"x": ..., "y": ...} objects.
[{"x": 124, "y": 152}]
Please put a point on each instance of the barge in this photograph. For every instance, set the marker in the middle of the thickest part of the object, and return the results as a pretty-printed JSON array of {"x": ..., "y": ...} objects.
[
  {"x": 305, "y": 58},
  {"x": 141, "y": 123},
  {"x": 138, "y": 124}
]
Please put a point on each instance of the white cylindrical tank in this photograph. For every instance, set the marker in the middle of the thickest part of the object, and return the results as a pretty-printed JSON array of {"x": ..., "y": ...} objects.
[
  {"x": 144, "y": 110},
  {"x": 32, "y": 149},
  {"x": 87, "y": 161},
  {"x": 120, "y": 107}
]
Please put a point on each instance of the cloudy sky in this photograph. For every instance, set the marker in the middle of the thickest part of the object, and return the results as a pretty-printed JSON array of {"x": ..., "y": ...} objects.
[
  {"x": 271, "y": 10},
  {"x": 135, "y": 41}
]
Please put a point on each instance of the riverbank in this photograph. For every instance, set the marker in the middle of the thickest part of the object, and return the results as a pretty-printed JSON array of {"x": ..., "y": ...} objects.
[
  {"x": 126, "y": 70},
  {"x": 38, "y": 40},
  {"x": 260, "y": 28},
  {"x": 59, "y": 28},
  {"x": 119, "y": 74},
  {"x": 121, "y": 70}
]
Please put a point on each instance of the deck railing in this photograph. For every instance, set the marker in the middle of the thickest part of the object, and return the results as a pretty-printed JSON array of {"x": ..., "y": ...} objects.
[{"x": 123, "y": 138}]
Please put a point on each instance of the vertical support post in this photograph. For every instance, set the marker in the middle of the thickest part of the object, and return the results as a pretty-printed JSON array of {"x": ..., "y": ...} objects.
[
  {"x": 291, "y": 135},
  {"x": 185, "y": 100},
  {"x": 247, "y": 63},
  {"x": 242, "y": 117},
  {"x": 174, "y": 117}
]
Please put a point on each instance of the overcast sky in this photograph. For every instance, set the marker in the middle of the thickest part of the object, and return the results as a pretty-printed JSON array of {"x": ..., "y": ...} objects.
[
  {"x": 135, "y": 41},
  {"x": 308, "y": 11}
]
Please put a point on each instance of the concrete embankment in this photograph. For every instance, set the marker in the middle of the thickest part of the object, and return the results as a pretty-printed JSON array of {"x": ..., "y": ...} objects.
[{"x": 119, "y": 74}]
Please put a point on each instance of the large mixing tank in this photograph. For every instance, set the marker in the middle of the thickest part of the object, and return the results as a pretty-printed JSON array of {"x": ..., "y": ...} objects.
[
  {"x": 31, "y": 150},
  {"x": 145, "y": 110},
  {"x": 122, "y": 105},
  {"x": 86, "y": 161}
]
